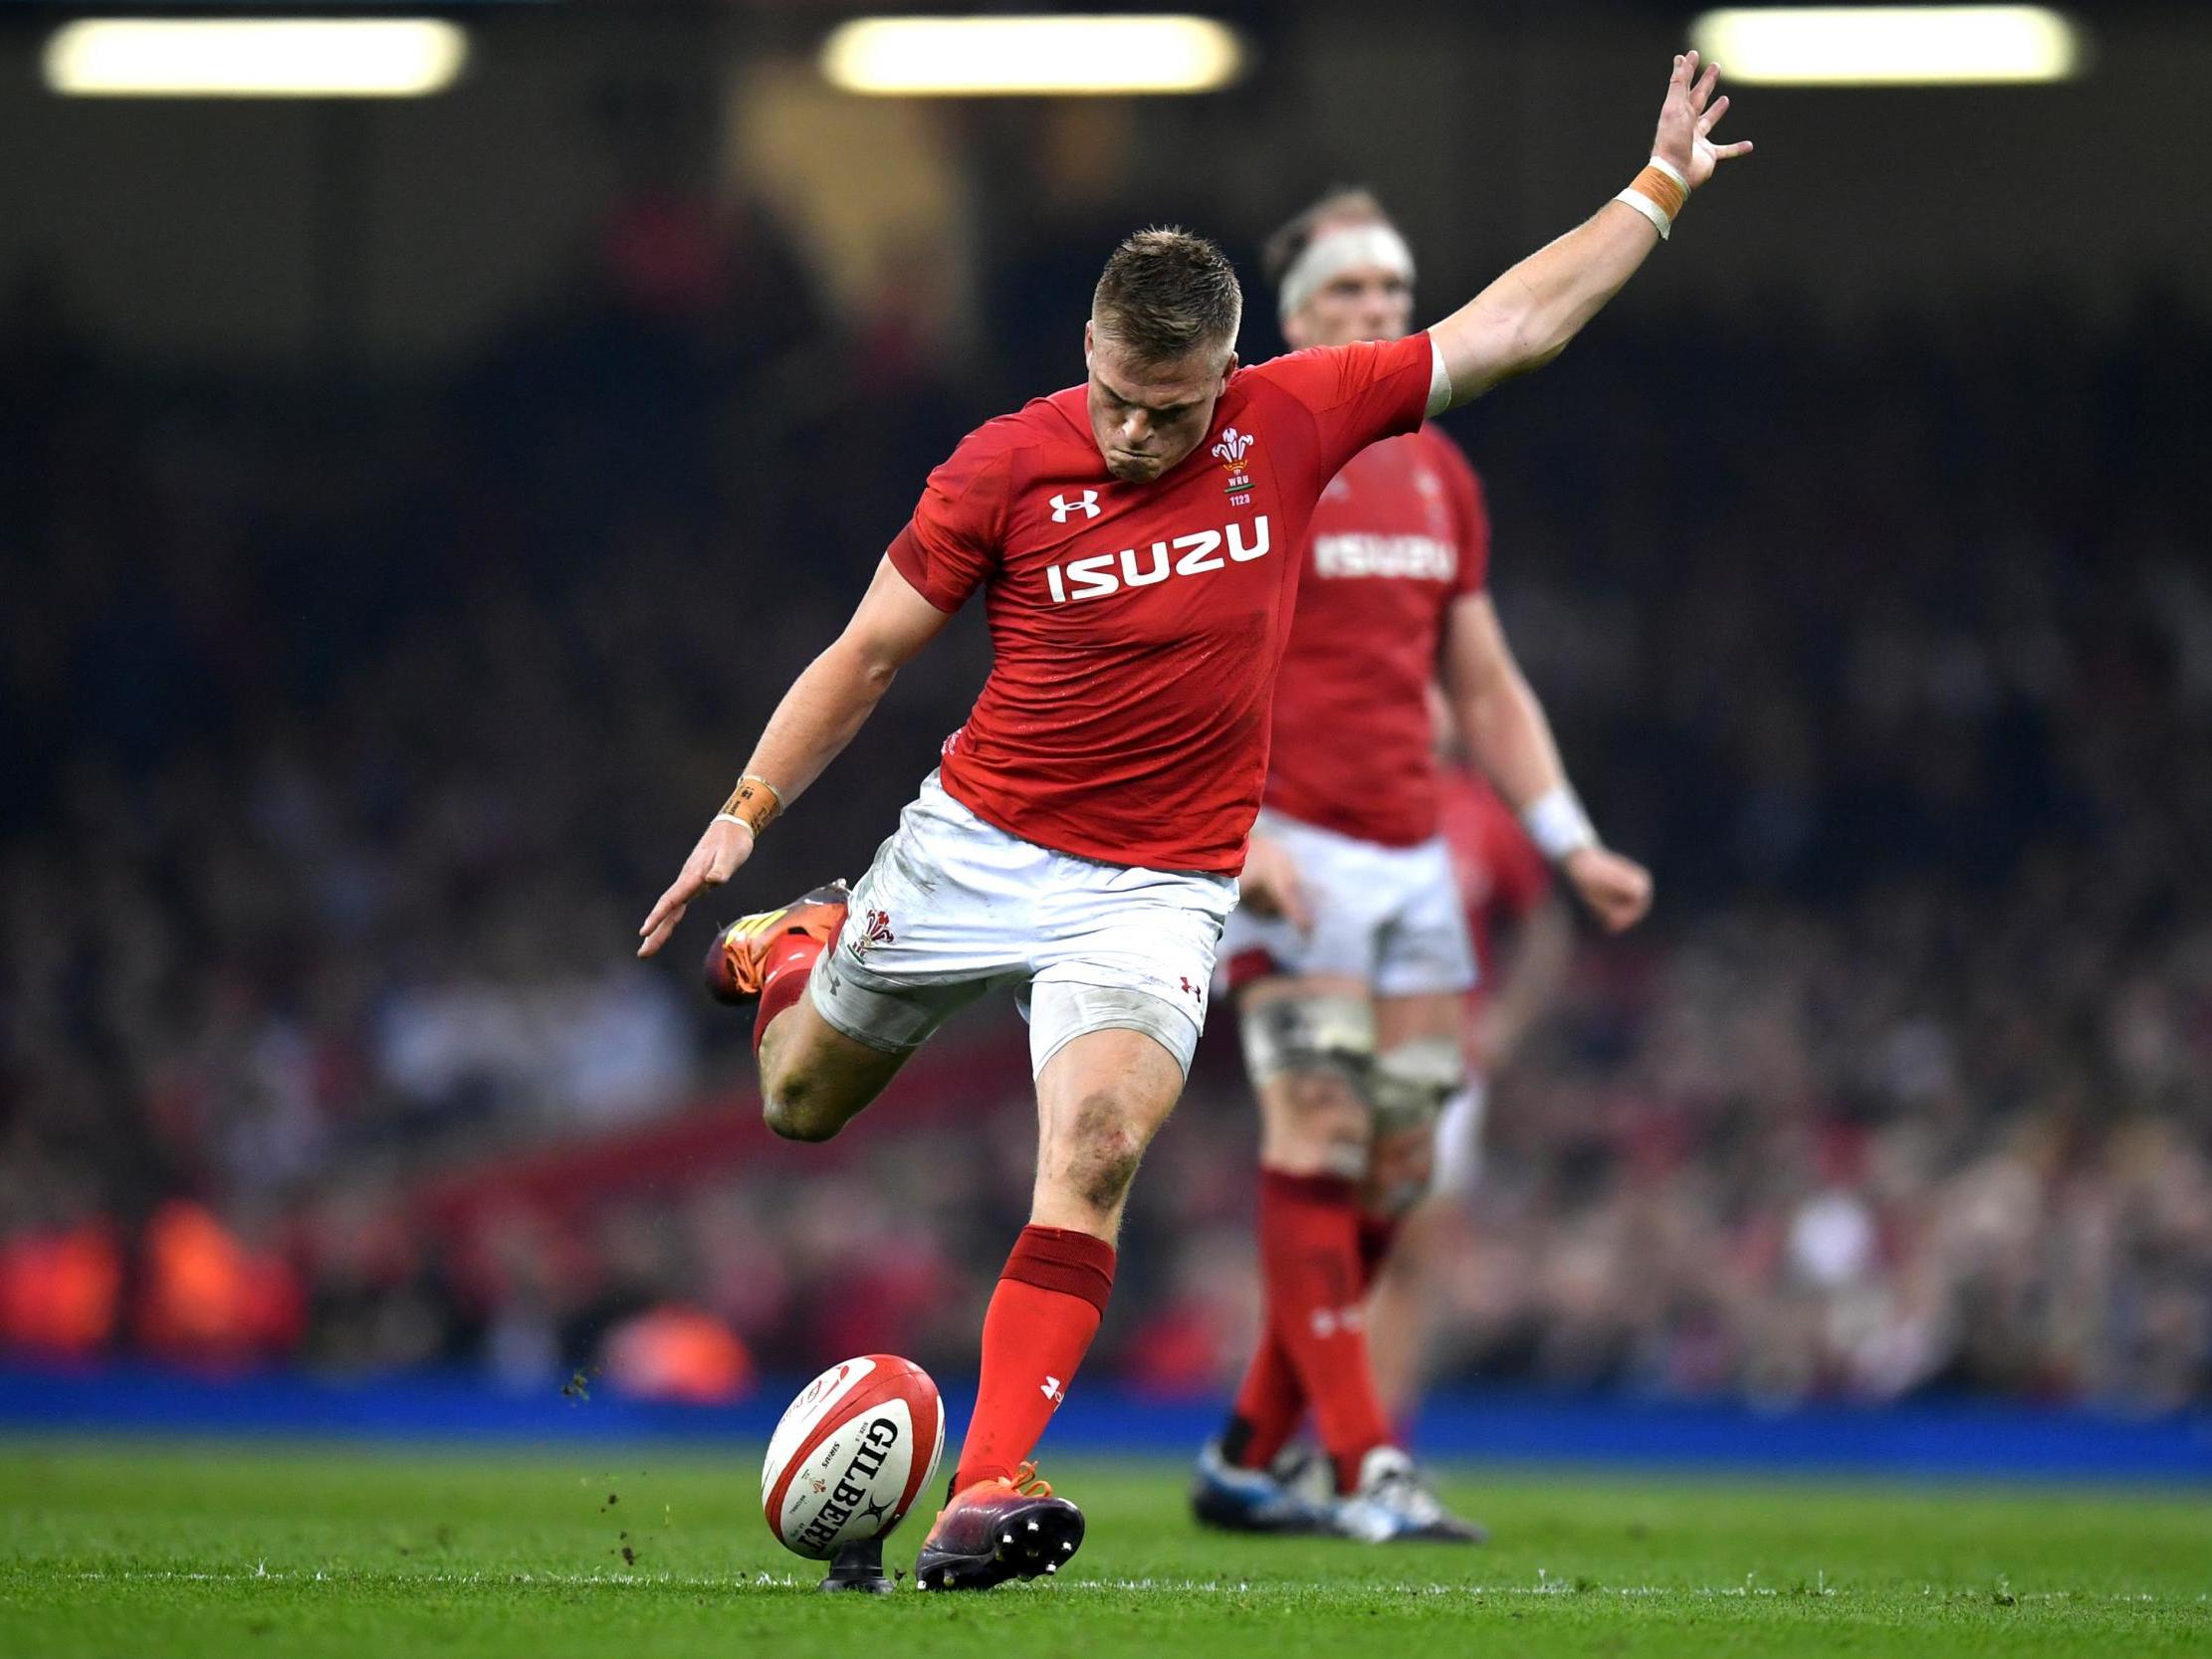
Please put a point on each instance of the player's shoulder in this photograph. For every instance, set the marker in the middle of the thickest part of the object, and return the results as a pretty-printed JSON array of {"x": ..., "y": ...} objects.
[
  {"x": 1021, "y": 442},
  {"x": 1323, "y": 376}
]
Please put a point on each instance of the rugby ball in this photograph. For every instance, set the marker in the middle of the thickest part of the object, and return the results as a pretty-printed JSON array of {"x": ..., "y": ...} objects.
[{"x": 851, "y": 1455}]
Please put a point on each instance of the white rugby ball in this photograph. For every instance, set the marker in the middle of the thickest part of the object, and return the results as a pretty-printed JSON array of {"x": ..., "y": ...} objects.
[{"x": 851, "y": 1454}]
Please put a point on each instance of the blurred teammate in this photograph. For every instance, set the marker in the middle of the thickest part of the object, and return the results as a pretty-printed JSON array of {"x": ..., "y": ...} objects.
[
  {"x": 1523, "y": 943},
  {"x": 1351, "y": 1002},
  {"x": 1079, "y": 843}
]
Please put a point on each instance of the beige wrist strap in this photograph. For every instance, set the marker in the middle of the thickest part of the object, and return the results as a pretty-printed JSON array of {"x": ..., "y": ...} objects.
[{"x": 754, "y": 803}]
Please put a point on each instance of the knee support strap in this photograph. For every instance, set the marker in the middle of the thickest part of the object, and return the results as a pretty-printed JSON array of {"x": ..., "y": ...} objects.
[
  {"x": 1309, "y": 1033},
  {"x": 1410, "y": 1083}
]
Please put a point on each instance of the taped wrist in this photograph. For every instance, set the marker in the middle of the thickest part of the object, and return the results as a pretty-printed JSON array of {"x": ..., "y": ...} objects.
[
  {"x": 1659, "y": 192},
  {"x": 755, "y": 802},
  {"x": 1557, "y": 824}
]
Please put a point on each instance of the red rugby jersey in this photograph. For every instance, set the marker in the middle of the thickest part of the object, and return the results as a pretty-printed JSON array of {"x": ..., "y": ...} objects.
[
  {"x": 1136, "y": 628},
  {"x": 1399, "y": 535}
]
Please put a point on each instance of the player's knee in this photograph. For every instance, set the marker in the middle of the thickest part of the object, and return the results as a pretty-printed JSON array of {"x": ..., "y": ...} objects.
[
  {"x": 1412, "y": 1081},
  {"x": 1309, "y": 1057},
  {"x": 1317, "y": 1121},
  {"x": 794, "y": 1107},
  {"x": 1408, "y": 1090},
  {"x": 1103, "y": 1151}
]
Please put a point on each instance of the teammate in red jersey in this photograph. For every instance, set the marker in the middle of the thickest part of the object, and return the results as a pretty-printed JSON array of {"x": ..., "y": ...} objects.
[
  {"x": 1351, "y": 1005},
  {"x": 1080, "y": 841}
]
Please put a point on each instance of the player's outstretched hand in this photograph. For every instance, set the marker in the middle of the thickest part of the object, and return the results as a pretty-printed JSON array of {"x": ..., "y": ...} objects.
[
  {"x": 1269, "y": 885},
  {"x": 1688, "y": 117},
  {"x": 714, "y": 861},
  {"x": 1616, "y": 890}
]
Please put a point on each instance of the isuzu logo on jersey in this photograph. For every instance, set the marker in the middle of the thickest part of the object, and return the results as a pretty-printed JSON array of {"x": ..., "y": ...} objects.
[
  {"x": 1099, "y": 574},
  {"x": 1086, "y": 504},
  {"x": 1423, "y": 558}
]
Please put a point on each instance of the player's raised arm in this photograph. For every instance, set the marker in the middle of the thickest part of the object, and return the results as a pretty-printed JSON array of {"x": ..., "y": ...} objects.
[
  {"x": 830, "y": 701},
  {"x": 1526, "y": 318}
]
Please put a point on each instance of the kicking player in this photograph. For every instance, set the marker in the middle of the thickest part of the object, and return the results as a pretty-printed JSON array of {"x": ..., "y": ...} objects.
[
  {"x": 1081, "y": 838},
  {"x": 1351, "y": 1006}
]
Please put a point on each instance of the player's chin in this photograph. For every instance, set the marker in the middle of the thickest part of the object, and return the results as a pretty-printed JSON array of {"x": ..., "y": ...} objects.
[{"x": 1134, "y": 469}]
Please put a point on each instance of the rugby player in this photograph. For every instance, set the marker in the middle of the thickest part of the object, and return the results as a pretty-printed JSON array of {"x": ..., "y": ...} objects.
[
  {"x": 1081, "y": 838},
  {"x": 1524, "y": 940},
  {"x": 1351, "y": 1008}
]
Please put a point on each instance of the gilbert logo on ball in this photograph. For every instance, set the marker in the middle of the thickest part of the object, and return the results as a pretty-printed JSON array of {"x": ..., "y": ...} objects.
[{"x": 851, "y": 1454}]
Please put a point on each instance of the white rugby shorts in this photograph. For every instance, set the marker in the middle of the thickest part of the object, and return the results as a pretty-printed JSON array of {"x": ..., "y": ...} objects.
[
  {"x": 954, "y": 907},
  {"x": 1389, "y": 916}
]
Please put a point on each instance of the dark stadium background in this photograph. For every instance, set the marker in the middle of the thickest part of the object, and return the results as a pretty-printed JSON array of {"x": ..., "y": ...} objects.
[{"x": 409, "y": 512}]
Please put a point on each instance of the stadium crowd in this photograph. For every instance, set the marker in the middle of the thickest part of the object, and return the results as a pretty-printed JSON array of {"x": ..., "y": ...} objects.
[{"x": 351, "y": 731}]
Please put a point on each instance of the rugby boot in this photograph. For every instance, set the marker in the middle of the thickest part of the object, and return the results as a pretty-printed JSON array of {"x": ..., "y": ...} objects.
[
  {"x": 1233, "y": 1500},
  {"x": 748, "y": 952},
  {"x": 1394, "y": 1505},
  {"x": 996, "y": 1529}
]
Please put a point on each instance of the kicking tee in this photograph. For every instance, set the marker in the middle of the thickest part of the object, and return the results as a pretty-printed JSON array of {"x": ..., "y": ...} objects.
[{"x": 1136, "y": 628}]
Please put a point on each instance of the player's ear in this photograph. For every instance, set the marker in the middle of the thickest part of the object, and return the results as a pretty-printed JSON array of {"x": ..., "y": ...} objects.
[
  {"x": 1228, "y": 368},
  {"x": 1086, "y": 344}
]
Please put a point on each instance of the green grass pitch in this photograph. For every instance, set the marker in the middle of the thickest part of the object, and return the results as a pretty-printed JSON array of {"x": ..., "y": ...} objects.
[{"x": 161, "y": 1550}]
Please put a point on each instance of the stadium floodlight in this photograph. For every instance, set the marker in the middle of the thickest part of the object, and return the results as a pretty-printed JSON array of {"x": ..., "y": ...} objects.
[
  {"x": 1890, "y": 46},
  {"x": 235, "y": 56},
  {"x": 982, "y": 57}
]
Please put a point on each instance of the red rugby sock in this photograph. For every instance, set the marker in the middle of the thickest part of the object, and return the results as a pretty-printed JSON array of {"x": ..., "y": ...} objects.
[
  {"x": 1269, "y": 1406},
  {"x": 1378, "y": 1233},
  {"x": 1271, "y": 1400},
  {"x": 1051, "y": 1293},
  {"x": 1309, "y": 1256},
  {"x": 791, "y": 963}
]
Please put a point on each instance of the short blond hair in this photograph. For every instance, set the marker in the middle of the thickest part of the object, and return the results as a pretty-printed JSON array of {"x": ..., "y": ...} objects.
[{"x": 1166, "y": 292}]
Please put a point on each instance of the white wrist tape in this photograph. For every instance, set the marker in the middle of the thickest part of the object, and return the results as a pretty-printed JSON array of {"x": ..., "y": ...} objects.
[
  {"x": 1558, "y": 825},
  {"x": 1657, "y": 199},
  {"x": 1649, "y": 208}
]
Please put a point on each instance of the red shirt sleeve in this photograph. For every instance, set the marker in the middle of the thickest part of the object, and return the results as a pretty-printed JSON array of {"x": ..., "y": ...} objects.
[
  {"x": 1470, "y": 512},
  {"x": 1356, "y": 393},
  {"x": 953, "y": 542}
]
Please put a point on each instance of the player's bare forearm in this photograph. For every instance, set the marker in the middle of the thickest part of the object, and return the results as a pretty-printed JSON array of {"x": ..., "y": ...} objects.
[
  {"x": 828, "y": 703},
  {"x": 822, "y": 712},
  {"x": 1505, "y": 727},
  {"x": 1526, "y": 318},
  {"x": 836, "y": 693},
  {"x": 1499, "y": 714}
]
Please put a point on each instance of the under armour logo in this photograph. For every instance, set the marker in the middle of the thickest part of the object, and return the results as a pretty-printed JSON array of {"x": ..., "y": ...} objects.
[
  {"x": 1086, "y": 505},
  {"x": 1052, "y": 1391},
  {"x": 1189, "y": 989}
]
